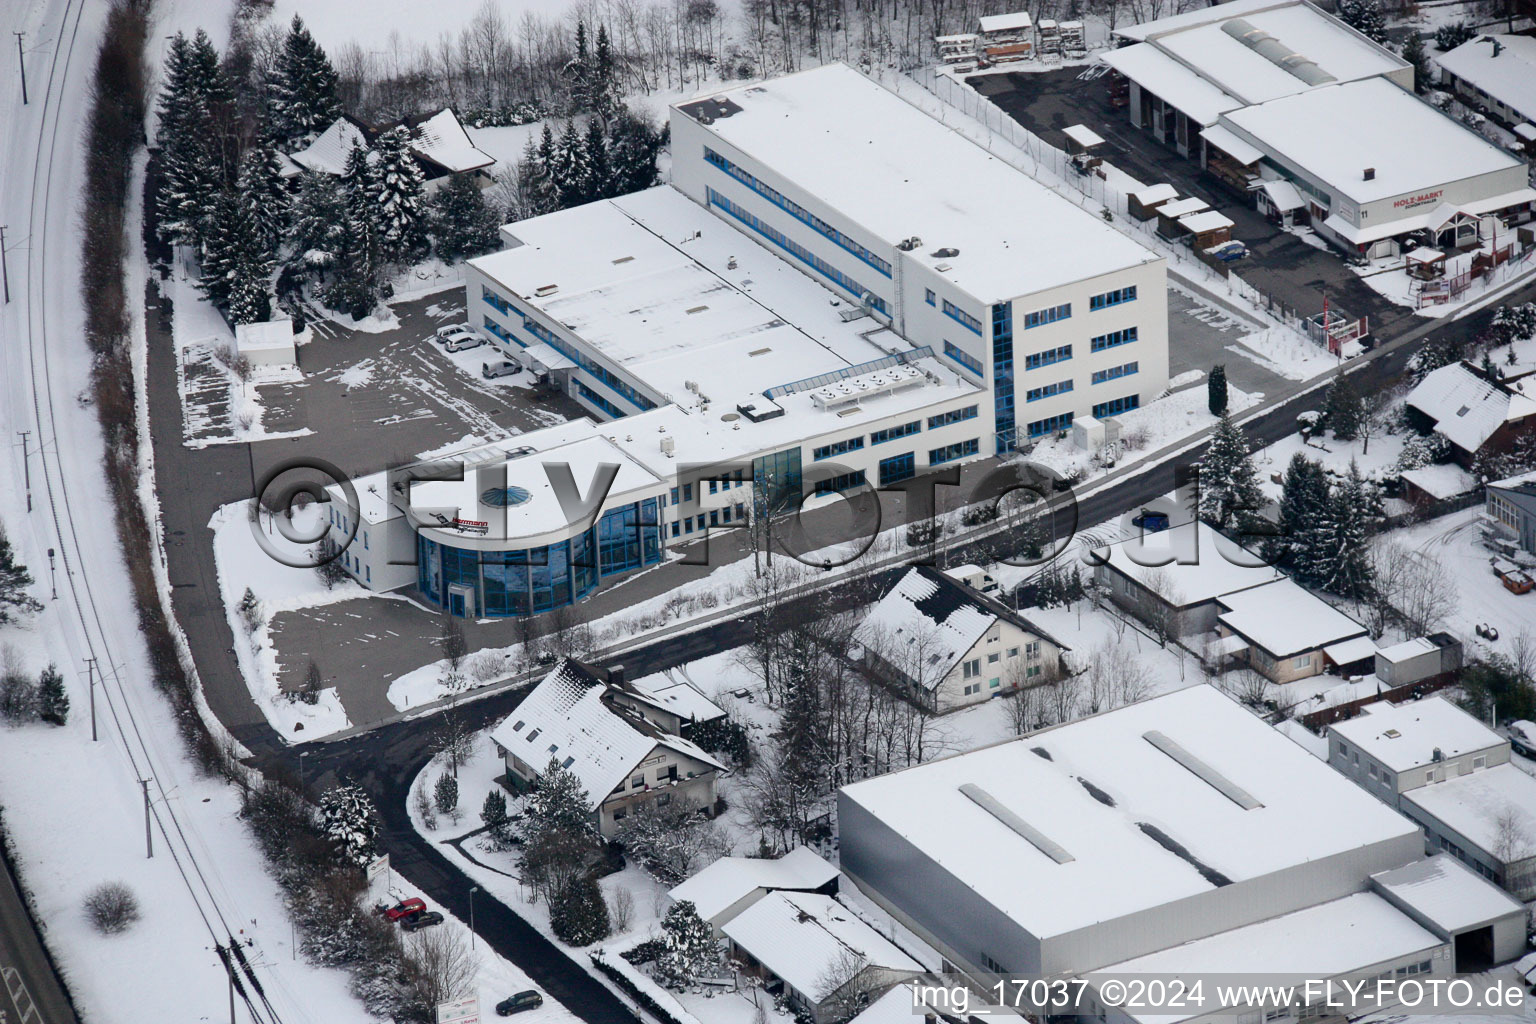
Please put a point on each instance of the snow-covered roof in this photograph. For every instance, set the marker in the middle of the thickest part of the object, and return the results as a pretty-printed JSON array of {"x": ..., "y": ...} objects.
[
  {"x": 679, "y": 696},
  {"x": 1433, "y": 218},
  {"x": 918, "y": 177},
  {"x": 1224, "y": 140},
  {"x": 1005, "y": 22},
  {"x": 1448, "y": 893},
  {"x": 1509, "y": 77},
  {"x": 800, "y": 937},
  {"x": 1441, "y": 481},
  {"x": 1406, "y": 735},
  {"x": 1347, "y": 651},
  {"x": 566, "y": 718},
  {"x": 1472, "y": 804},
  {"x": 1188, "y": 564},
  {"x": 730, "y": 879},
  {"x": 1180, "y": 208},
  {"x": 1337, "y": 131},
  {"x": 1205, "y": 220},
  {"x": 935, "y": 617},
  {"x": 1466, "y": 408},
  {"x": 1083, "y": 135},
  {"x": 1293, "y": 809},
  {"x": 1192, "y": 19},
  {"x": 716, "y": 310},
  {"x": 1153, "y": 69},
  {"x": 895, "y": 1007},
  {"x": 1286, "y": 620},
  {"x": 268, "y": 334},
  {"x": 442, "y": 139},
  {"x": 1305, "y": 738},
  {"x": 1407, "y": 649},
  {"x": 1154, "y": 194},
  {"x": 1339, "y": 937},
  {"x": 328, "y": 153}
]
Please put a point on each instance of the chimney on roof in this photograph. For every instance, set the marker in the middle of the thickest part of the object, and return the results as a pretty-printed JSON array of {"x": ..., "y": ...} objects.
[
  {"x": 616, "y": 675},
  {"x": 1370, "y": 174}
]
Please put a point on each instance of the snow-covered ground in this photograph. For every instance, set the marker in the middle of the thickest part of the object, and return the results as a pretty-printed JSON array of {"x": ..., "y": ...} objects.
[
  {"x": 1455, "y": 542},
  {"x": 1389, "y": 279}
]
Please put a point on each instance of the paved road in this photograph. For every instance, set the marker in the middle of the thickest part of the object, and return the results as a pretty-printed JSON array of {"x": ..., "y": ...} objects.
[{"x": 30, "y": 989}]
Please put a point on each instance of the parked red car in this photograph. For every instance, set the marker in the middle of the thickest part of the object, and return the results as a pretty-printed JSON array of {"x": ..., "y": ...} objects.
[{"x": 405, "y": 908}]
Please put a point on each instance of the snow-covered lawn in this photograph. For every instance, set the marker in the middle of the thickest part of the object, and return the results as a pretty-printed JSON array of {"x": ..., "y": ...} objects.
[{"x": 1455, "y": 542}]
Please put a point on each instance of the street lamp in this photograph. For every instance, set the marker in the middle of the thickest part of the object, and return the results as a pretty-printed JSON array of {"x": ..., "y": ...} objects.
[
  {"x": 302, "y": 755},
  {"x": 52, "y": 576},
  {"x": 472, "y": 890}
]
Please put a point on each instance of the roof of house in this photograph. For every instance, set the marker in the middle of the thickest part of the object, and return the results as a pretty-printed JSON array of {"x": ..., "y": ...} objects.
[
  {"x": 1406, "y": 735},
  {"x": 1188, "y": 564},
  {"x": 800, "y": 937},
  {"x": 266, "y": 334},
  {"x": 1305, "y": 738},
  {"x": 1285, "y": 619},
  {"x": 931, "y": 615},
  {"x": 1330, "y": 939},
  {"x": 328, "y": 153},
  {"x": 1440, "y": 481},
  {"x": 720, "y": 885},
  {"x": 1466, "y": 408},
  {"x": 678, "y": 696},
  {"x": 440, "y": 138},
  {"x": 1238, "y": 798},
  {"x": 1472, "y": 804},
  {"x": 916, "y": 177},
  {"x": 1448, "y": 893},
  {"x": 1338, "y": 131},
  {"x": 1005, "y": 22},
  {"x": 567, "y": 719},
  {"x": 1509, "y": 77},
  {"x": 895, "y": 1007}
]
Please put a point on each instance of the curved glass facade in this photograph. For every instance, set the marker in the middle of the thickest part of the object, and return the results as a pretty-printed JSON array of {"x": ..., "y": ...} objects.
[{"x": 526, "y": 581}]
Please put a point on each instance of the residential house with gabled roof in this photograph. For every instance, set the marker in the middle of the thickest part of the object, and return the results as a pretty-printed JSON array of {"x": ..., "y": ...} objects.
[
  {"x": 950, "y": 645},
  {"x": 730, "y": 885},
  {"x": 1471, "y": 412},
  {"x": 439, "y": 144},
  {"x": 576, "y": 717}
]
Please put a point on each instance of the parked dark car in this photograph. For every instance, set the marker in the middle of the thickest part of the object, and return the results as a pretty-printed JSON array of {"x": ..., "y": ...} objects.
[
  {"x": 421, "y": 919},
  {"x": 529, "y": 1000},
  {"x": 1152, "y": 522},
  {"x": 405, "y": 908},
  {"x": 1231, "y": 251}
]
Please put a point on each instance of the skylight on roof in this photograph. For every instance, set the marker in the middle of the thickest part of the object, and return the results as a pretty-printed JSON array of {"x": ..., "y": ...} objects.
[
  {"x": 534, "y": 735},
  {"x": 1210, "y": 776}
]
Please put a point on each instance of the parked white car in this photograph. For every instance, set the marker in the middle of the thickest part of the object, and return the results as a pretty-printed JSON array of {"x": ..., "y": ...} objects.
[
  {"x": 467, "y": 339},
  {"x": 1522, "y": 736},
  {"x": 445, "y": 333},
  {"x": 499, "y": 368}
]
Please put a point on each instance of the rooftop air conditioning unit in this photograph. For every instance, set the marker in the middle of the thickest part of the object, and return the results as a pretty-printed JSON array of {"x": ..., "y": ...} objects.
[
  {"x": 668, "y": 446},
  {"x": 547, "y": 289},
  {"x": 1370, "y": 174},
  {"x": 944, "y": 254}
]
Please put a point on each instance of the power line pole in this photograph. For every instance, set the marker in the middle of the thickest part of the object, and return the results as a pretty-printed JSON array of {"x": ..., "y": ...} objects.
[
  {"x": 90, "y": 668},
  {"x": 149, "y": 839},
  {"x": 26, "y": 463},
  {"x": 5, "y": 275},
  {"x": 22, "y": 57}
]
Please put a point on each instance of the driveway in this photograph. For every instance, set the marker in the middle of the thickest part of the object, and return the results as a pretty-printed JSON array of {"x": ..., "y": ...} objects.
[{"x": 1292, "y": 272}]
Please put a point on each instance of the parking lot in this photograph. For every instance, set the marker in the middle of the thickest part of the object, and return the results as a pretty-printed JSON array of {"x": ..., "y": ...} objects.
[{"x": 1282, "y": 265}]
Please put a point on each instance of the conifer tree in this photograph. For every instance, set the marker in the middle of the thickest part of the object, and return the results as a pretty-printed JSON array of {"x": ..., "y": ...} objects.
[
  {"x": 1415, "y": 53},
  {"x": 191, "y": 139},
  {"x": 1216, "y": 390},
  {"x": 493, "y": 812},
  {"x": 557, "y": 803},
  {"x": 397, "y": 186},
  {"x": 1344, "y": 408},
  {"x": 688, "y": 951},
  {"x": 605, "y": 90},
  {"x": 1229, "y": 486},
  {"x": 350, "y": 823},
  {"x": 1303, "y": 505},
  {"x": 578, "y": 914},
  {"x": 237, "y": 262},
  {"x": 445, "y": 794},
  {"x": 570, "y": 174},
  {"x": 1365, "y": 17},
  {"x": 355, "y": 286},
  {"x": 463, "y": 223},
  {"x": 15, "y": 578},
  {"x": 1343, "y": 556},
  {"x": 598, "y": 182},
  {"x": 265, "y": 194},
  {"x": 319, "y": 223},
  {"x": 633, "y": 146},
  {"x": 579, "y": 73},
  {"x": 53, "y": 702},
  {"x": 302, "y": 88}
]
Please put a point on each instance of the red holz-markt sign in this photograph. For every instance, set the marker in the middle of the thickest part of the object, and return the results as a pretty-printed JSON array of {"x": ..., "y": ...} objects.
[{"x": 1418, "y": 200}]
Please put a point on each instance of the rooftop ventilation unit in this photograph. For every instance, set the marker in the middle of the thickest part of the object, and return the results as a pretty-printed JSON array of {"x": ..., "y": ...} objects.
[
  {"x": 1039, "y": 840},
  {"x": 546, "y": 289},
  {"x": 944, "y": 254},
  {"x": 1210, "y": 776},
  {"x": 908, "y": 244},
  {"x": 866, "y": 385}
]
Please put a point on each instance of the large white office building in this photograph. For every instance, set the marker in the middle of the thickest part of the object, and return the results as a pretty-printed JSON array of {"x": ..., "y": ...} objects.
[{"x": 836, "y": 291}]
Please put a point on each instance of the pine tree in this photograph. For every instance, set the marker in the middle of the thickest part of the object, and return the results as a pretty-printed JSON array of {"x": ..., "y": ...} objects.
[
  {"x": 1343, "y": 555},
  {"x": 1450, "y": 36},
  {"x": 688, "y": 951},
  {"x": 237, "y": 262},
  {"x": 605, "y": 94},
  {"x": 633, "y": 146},
  {"x": 302, "y": 88},
  {"x": 53, "y": 702},
  {"x": 265, "y": 194},
  {"x": 398, "y": 186},
  {"x": 349, "y": 822},
  {"x": 1216, "y": 390},
  {"x": 1229, "y": 486},
  {"x": 192, "y": 140},
  {"x": 14, "y": 581},
  {"x": 445, "y": 794},
  {"x": 578, "y": 914},
  {"x": 463, "y": 223},
  {"x": 1365, "y": 17},
  {"x": 1303, "y": 505},
  {"x": 579, "y": 73},
  {"x": 494, "y": 814},
  {"x": 355, "y": 286},
  {"x": 570, "y": 173},
  {"x": 598, "y": 181},
  {"x": 1415, "y": 53},
  {"x": 557, "y": 803},
  {"x": 319, "y": 223},
  {"x": 1344, "y": 408}
]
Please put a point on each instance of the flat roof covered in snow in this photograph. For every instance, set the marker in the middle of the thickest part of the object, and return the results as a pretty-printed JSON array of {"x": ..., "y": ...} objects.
[
  {"x": 1448, "y": 893},
  {"x": 801, "y": 936},
  {"x": 1189, "y": 564},
  {"x": 1335, "y": 133},
  {"x": 1472, "y": 804},
  {"x": 1139, "y": 757},
  {"x": 898, "y": 173},
  {"x": 720, "y": 885},
  {"x": 1406, "y": 735},
  {"x": 1285, "y": 619},
  {"x": 1153, "y": 69}
]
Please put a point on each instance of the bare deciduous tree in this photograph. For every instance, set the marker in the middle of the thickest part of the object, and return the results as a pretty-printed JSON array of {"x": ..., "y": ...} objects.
[
  {"x": 440, "y": 965},
  {"x": 1411, "y": 586},
  {"x": 1512, "y": 841}
]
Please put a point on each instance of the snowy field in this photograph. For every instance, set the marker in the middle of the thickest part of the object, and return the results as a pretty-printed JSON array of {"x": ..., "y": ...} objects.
[{"x": 1455, "y": 541}]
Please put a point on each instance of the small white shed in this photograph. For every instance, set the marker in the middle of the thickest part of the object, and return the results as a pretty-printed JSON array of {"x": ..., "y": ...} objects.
[{"x": 269, "y": 343}]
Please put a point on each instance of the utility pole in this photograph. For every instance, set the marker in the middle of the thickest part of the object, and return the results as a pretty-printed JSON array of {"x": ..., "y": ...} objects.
[
  {"x": 149, "y": 839},
  {"x": 22, "y": 57},
  {"x": 26, "y": 463},
  {"x": 5, "y": 276},
  {"x": 472, "y": 890},
  {"x": 90, "y": 668},
  {"x": 53, "y": 578}
]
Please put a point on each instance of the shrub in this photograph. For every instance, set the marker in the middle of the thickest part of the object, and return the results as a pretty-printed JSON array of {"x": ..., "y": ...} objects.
[
  {"x": 111, "y": 907},
  {"x": 923, "y": 532},
  {"x": 578, "y": 914},
  {"x": 975, "y": 515},
  {"x": 19, "y": 700}
]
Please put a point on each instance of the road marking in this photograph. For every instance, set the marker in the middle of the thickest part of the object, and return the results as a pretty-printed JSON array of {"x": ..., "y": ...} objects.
[{"x": 18, "y": 990}]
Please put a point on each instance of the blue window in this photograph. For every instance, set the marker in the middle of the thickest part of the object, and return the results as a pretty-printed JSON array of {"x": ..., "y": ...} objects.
[
  {"x": 959, "y": 315},
  {"x": 676, "y": 529},
  {"x": 1114, "y": 339},
  {"x": 495, "y": 301},
  {"x": 1002, "y": 376},
  {"x": 944, "y": 419},
  {"x": 970, "y": 362},
  {"x": 1061, "y": 387},
  {"x": 674, "y": 495},
  {"x": 714, "y": 517},
  {"x": 365, "y": 540},
  {"x": 892, "y": 433},
  {"x": 795, "y": 210},
  {"x": 506, "y": 336},
  {"x": 1041, "y": 317},
  {"x": 598, "y": 400},
  {"x": 687, "y": 492},
  {"x": 932, "y": 299},
  {"x": 1049, "y": 356},
  {"x": 725, "y": 514},
  {"x": 688, "y": 525},
  {"x": 1117, "y": 406},
  {"x": 714, "y": 487},
  {"x": 841, "y": 482},
  {"x": 1114, "y": 298},
  {"x": 368, "y": 573},
  {"x": 951, "y": 452},
  {"x": 1114, "y": 372},
  {"x": 805, "y": 255},
  {"x": 898, "y": 468},
  {"x": 828, "y": 451},
  {"x": 1050, "y": 425}
]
